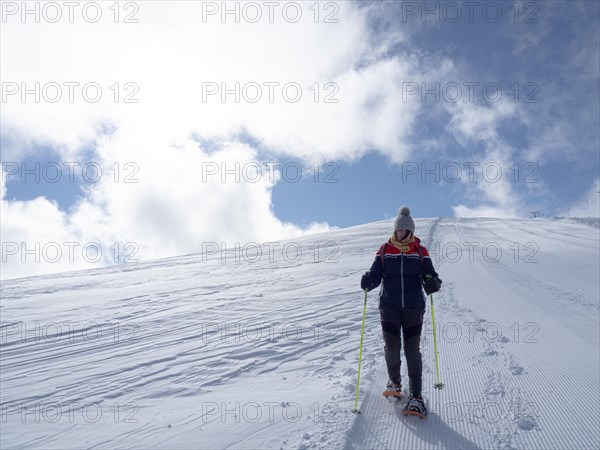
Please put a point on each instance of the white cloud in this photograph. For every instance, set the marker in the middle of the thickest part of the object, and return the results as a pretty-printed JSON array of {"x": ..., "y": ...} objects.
[
  {"x": 467, "y": 212},
  {"x": 171, "y": 53},
  {"x": 488, "y": 183},
  {"x": 588, "y": 205},
  {"x": 530, "y": 25},
  {"x": 167, "y": 57},
  {"x": 170, "y": 210},
  {"x": 472, "y": 122}
]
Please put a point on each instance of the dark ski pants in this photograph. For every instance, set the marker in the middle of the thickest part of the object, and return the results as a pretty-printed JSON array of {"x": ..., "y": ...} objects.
[{"x": 410, "y": 322}]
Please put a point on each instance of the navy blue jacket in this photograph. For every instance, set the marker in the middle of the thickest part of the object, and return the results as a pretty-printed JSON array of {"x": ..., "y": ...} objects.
[{"x": 401, "y": 274}]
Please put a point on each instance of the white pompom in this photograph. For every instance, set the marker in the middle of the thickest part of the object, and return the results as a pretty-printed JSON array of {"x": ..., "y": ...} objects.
[{"x": 404, "y": 211}]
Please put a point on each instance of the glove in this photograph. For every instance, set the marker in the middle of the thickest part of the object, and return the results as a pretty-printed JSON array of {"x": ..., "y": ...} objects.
[
  {"x": 366, "y": 282},
  {"x": 431, "y": 284},
  {"x": 428, "y": 277}
]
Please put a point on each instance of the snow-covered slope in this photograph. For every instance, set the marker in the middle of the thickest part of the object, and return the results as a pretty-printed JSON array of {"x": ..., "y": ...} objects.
[{"x": 262, "y": 351}]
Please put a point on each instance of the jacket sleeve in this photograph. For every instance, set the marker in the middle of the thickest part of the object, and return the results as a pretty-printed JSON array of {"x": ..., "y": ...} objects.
[
  {"x": 428, "y": 264},
  {"x": 376, "y": 270}
]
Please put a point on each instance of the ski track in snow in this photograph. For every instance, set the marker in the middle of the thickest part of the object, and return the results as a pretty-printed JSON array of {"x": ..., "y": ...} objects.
[{"x": 181, "y": 353}]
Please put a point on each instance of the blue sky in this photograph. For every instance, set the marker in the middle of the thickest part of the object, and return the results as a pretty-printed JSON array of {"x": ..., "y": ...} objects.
[{"x": 537, "y": 120}]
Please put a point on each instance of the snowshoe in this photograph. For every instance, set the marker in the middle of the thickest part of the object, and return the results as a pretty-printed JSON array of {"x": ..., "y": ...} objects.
[
  {"x": 415, "y": 407},
  {"x": 393, "y": 389}
]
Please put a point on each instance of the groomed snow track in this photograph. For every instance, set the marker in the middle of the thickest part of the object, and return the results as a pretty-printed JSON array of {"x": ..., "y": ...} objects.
[{"x": 194, "y": 352}]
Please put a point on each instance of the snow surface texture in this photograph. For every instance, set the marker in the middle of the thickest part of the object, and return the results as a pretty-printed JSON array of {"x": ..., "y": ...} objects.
[{"x": 186, "y": 353}]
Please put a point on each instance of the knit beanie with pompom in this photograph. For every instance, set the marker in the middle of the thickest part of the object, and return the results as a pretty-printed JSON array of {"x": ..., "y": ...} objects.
[{"x": 404, "y": 221}]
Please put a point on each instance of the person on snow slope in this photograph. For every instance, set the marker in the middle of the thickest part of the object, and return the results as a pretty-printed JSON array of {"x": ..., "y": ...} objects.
[{"x": 403, "y": 264}]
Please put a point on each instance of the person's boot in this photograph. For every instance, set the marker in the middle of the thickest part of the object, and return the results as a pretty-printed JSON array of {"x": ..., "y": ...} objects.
[
  {"x": 415, "y": 407},
  {"x": 393, "y": 388}
]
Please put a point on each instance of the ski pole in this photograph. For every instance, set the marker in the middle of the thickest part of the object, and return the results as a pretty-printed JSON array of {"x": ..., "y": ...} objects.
[
  {"x": 362, "y": 335},
  {"x": 437, "y": 385}
]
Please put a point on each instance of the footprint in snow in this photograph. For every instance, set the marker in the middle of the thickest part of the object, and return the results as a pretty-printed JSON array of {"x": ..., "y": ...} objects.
[
  {"x": 490, "y": 352},
  {"x": 526, "y": 423},
  {"x": 495, "y": 385},
  {"x": 516, "y": 370}
]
